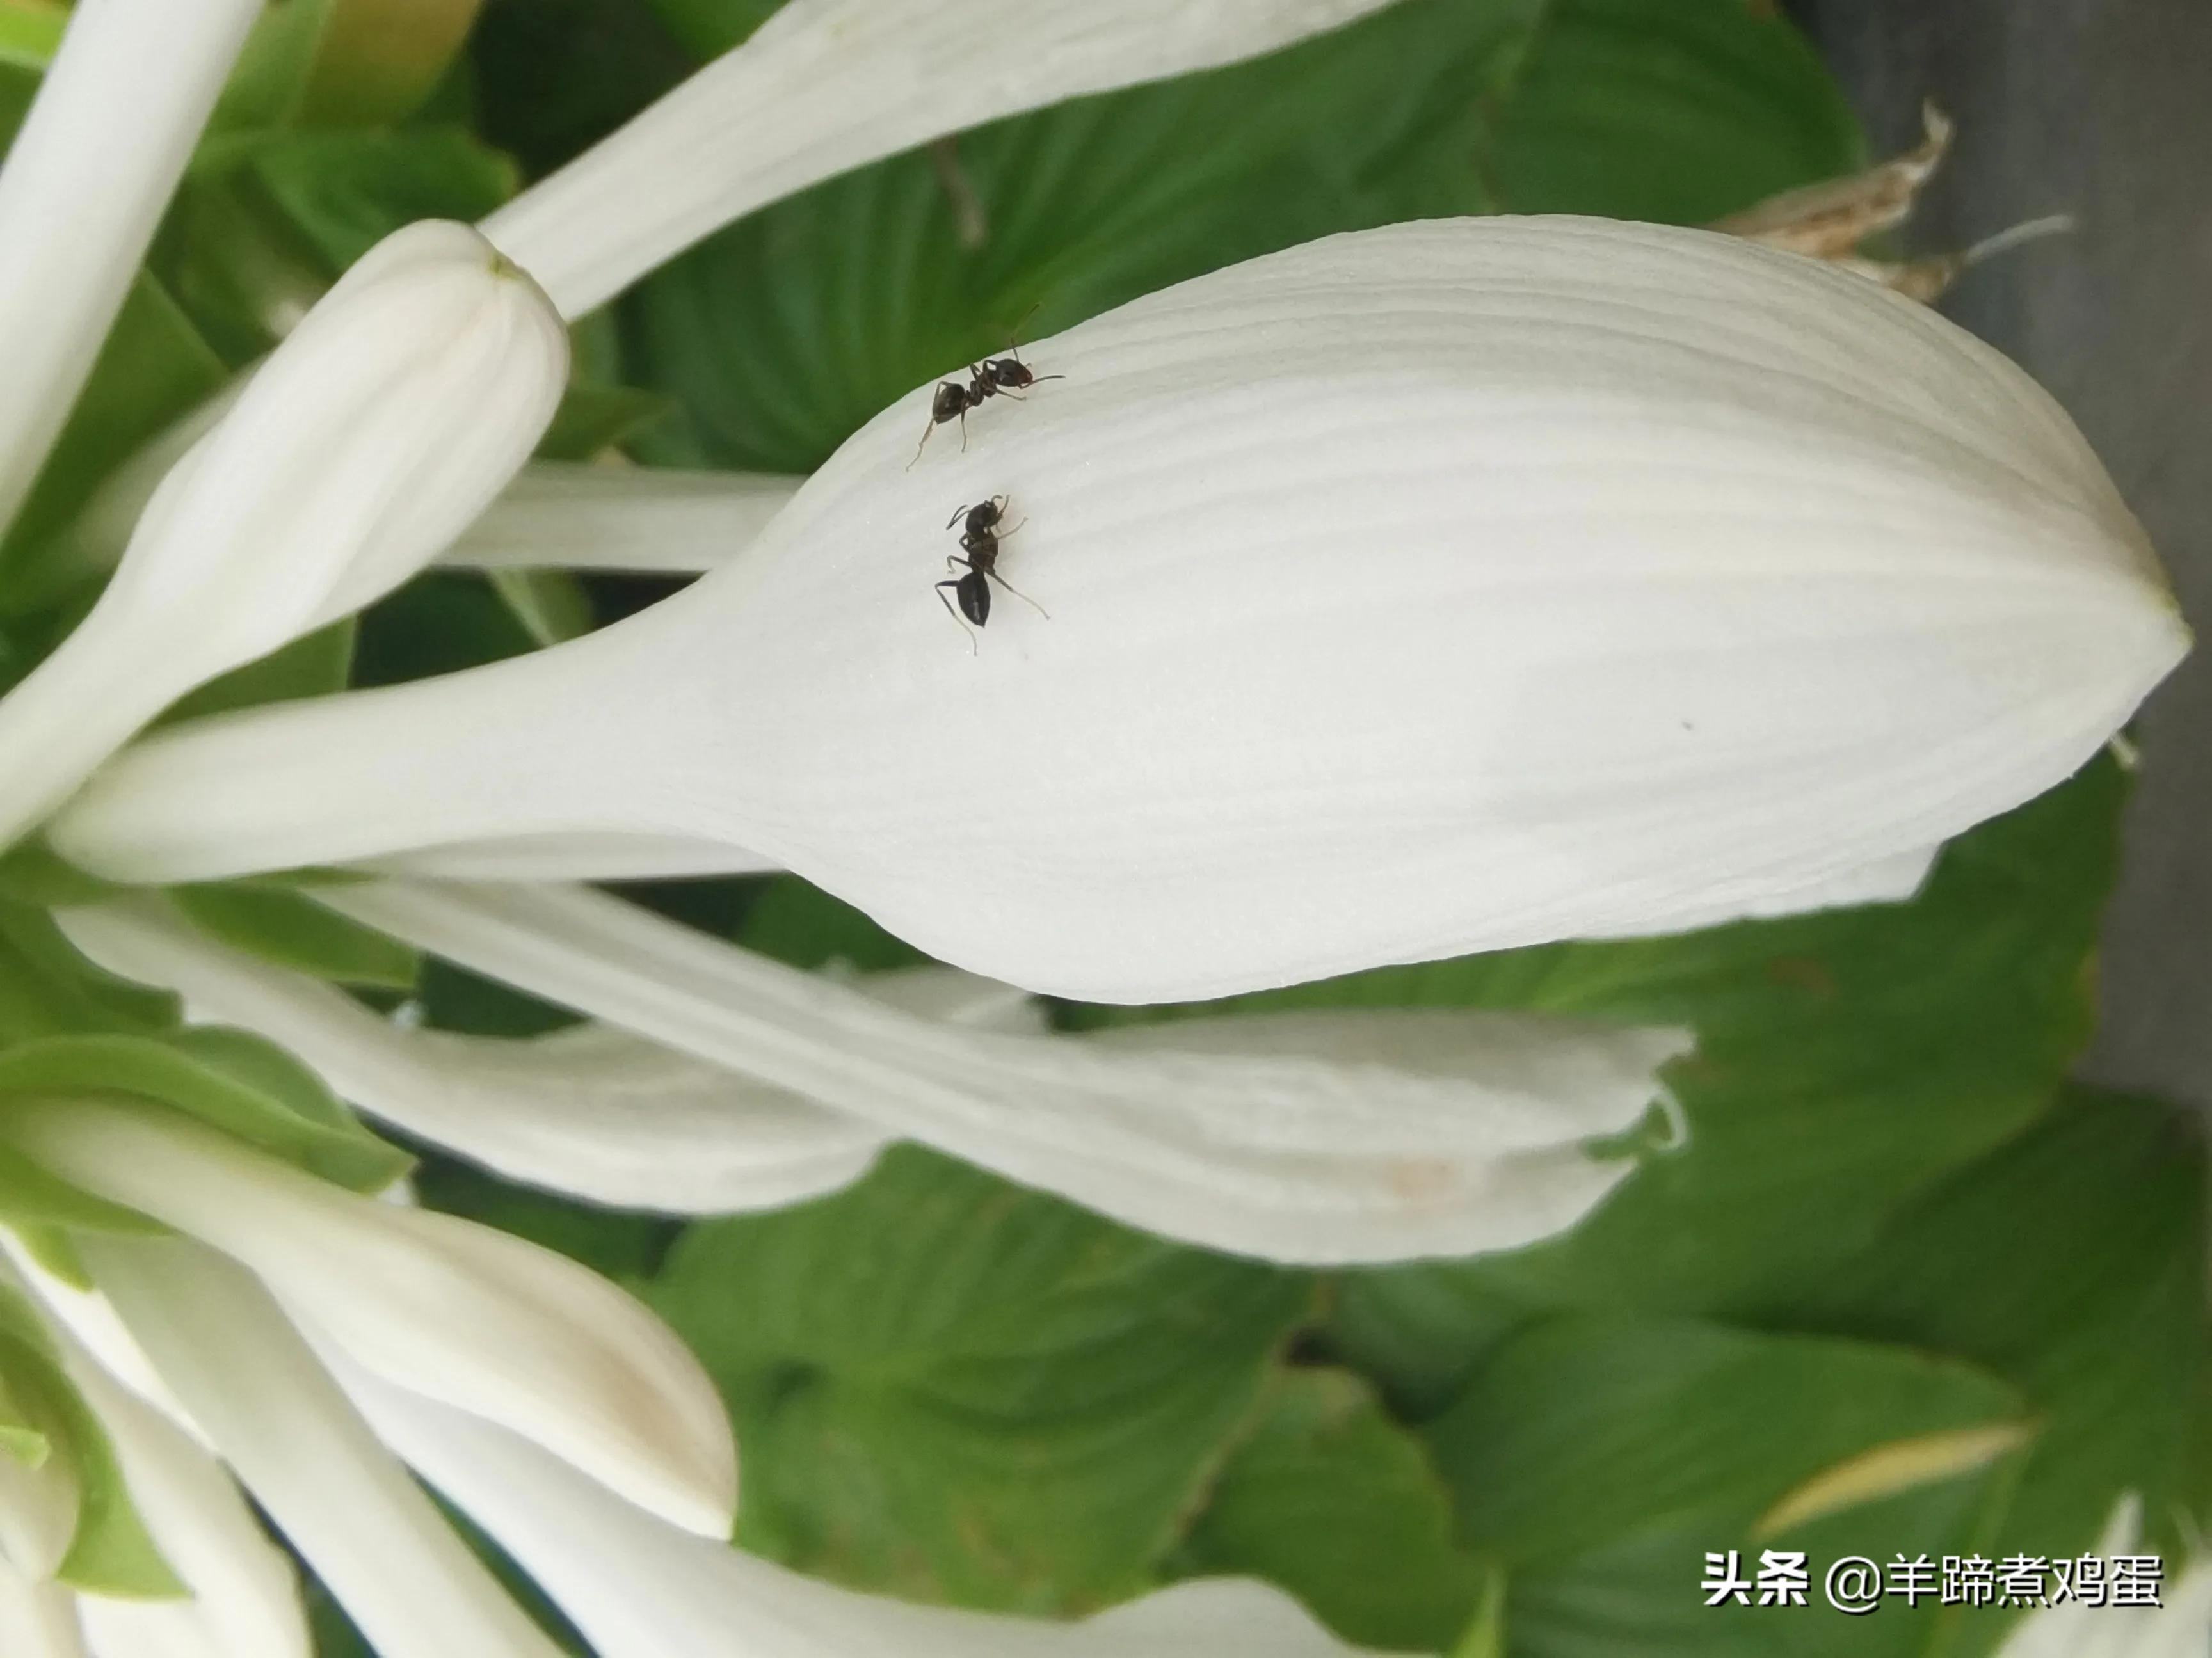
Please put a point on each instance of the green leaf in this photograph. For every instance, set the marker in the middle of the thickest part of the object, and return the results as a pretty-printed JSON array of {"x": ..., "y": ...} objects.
[
  {"x": 349, "y": 64},
  {"x": 795, "y": 921},
  {"x": 380, "y": 61},
  {"x": 230, "y": 1079},
  {"x": 47, "y": 987},
  {"x": 552, "y": 605},
  {"x": 30, "y": 34},
  {"x": 32, "y": 873},
  {"x": 783, "y": 333},
  {"x": 1676, "y": 111},
  {"x": 279, "y": 923},
  {"x": 615, "y": 1243},
  {"x": 155, "y": 368},
  {"x": 1333, "y": 1501},
  {"x": 2071, "y": 1263},
  {"x": 344, "y": 192},
  {"x": 440, "y": 622},
  {"x": 55, "y": 1251},
  {"x": 267, "y": 86},
  {"x": 553, "y": 76},
  {"x": 1599, "y": 1458},
  {"x": 31, "y": 1198},
  {"x": 951, "y": 1388},
  {"x": 265, "y": 220},
  {"x": 313, "y": 665},
  {"x": 1846, "y": 1061},
  {"x": 21, "y": 1440},
  {"x": 111, "y": 1553},
  {"x": 595, "y": 416},
  {"x": 707, "y": 28}
]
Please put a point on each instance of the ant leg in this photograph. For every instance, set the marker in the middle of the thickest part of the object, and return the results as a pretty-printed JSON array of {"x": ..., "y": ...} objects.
[
  {"x": 923, "y": 445},
  {"x": 956, "y": 615},
  {"x": 963, "y": 431},
  {"x": 954, "y": 560},
  {"x": 1019, "y": 594}
]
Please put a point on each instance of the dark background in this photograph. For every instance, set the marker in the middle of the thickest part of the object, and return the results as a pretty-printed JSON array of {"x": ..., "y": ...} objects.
[{"x": 2101, "y": 109}]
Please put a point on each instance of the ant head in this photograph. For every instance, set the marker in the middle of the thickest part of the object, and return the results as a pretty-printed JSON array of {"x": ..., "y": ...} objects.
[{"x": 1010, "y": 373}]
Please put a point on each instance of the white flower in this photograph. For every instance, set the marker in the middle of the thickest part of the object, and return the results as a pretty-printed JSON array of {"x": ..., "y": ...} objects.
[
  {"x": 270, "y": 1406},
  {"x": 86, "y": 180},
  {"x": 400, "y": 405},
  {"x": 451, "y": 1309},
  {"x": 639, "y": 1590},
  {"x": 1375, "y": 1135},
  {"x": 245, "y": 1599},
  {"x": 2179, "y": 1627},
  {"x": 1440, "y": 588},
  {"x": 441, "y": 1308},
  {"x": 828, "y": 85}
]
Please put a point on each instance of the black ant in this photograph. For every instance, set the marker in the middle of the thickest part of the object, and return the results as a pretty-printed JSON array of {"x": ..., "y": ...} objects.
[
  {"x": 993, "y": 377},
  {"x": 979, "y": 539}
]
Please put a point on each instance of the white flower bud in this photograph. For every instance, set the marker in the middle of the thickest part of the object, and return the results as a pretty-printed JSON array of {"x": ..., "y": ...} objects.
[
  {"x": 1441, "y": 588},
  {"x": 637, "y": 1589},
  {"x": 86, "y": 180},
  {"x": 826, "y": 86},
  {"x": 450, "y": 1308},
  {"x": 382, "y": 426},
  {"x": 37, "y": 1616},
  {"x": 376, "y": 1540}
]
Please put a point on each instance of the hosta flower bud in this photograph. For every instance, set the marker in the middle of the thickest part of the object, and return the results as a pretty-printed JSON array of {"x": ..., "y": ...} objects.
[
  {"x": 343, "y": 1502},
  {"x": 1435, "y": 589},
  {"x": 758, "y": 123},
  {"x": 638, "y": 1589},
  {"x": 451, "y": 1308},
  {"x": 86, "y": 179},
  {"x": 397, "y": 408}
]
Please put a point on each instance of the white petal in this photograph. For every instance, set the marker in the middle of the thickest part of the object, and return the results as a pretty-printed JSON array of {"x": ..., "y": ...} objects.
[
  {"x": 86, "y": 1320},
  {"x": 38, "y": 1620},
  {"x": 555, "y": 514},
  {"x": 246, "y": 1594},
  {"x": 2180, "y": 1628},
  {"x": 384, "y": 423},
  {"x": 829, "y": 85},
  {"x": 1445, "y": 588},
  {"x": 1893, "y": 880},
  {"x": 367, "y": 1528},
  {"x": 638, "y": 1590},
  {"x": 37, "y": 1514},
  {"x": 452, "y": 1309},
  {"x": 86, "y": 180},
  {"x": 1379, "y": 1138},
  {"x": 148, "y": 1628},
  {"x": 621, "y": 518},
  {"x": 592, "y": 1111}
]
